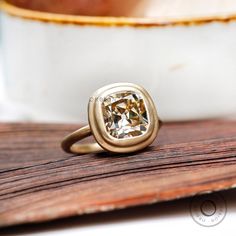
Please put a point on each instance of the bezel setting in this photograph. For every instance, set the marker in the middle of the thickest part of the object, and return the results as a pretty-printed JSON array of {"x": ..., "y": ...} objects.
[{"x": 98, "y": 127}]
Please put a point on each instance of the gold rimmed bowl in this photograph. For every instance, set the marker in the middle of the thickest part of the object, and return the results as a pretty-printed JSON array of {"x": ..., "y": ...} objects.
[{"x": 56, "y": 55}]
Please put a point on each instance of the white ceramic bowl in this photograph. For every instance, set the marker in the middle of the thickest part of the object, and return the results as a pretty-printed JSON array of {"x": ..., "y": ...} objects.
[{"x": 54, "y": 62}]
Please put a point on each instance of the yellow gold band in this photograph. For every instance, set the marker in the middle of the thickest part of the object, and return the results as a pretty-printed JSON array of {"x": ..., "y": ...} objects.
[{"x": 69, "y": 142}]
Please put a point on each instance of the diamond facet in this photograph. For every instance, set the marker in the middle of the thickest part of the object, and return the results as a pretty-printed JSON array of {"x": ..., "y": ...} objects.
[{"x": 125, "y": 114}]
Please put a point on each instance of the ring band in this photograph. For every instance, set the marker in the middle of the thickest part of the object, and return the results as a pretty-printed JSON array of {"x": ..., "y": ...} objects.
[
  {"x": 122, "y": 119},
  {"x": 69, "y": 142}
]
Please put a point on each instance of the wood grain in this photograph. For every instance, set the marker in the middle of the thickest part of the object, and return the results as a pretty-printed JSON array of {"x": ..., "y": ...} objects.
[{"x": 38, "y": 182}]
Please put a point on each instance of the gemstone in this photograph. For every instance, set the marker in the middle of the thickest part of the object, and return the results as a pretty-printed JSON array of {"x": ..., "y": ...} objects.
[{"x": 125, "y": 114}]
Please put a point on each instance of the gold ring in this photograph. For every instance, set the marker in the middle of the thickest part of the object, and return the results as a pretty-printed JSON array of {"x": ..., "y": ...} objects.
[{"x": 122, "y": 118}]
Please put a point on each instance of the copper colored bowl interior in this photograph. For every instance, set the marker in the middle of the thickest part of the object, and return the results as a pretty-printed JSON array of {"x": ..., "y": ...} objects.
[
  {"x": 86, "y": 7},
  {"x": 158, "y": 12}
]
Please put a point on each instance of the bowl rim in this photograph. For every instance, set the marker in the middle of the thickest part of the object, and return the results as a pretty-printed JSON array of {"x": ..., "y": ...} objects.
[{"x": 106, "y": 21}]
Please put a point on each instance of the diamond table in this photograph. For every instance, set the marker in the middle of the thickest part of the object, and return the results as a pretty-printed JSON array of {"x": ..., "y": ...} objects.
[{"x": 125, "y": 115}]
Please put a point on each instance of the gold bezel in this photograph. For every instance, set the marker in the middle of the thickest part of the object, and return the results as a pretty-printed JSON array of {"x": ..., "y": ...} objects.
[{"x": 97, "y": 124}]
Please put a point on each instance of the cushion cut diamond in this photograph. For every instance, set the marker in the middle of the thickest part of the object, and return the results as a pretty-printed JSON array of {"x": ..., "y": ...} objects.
[{"x": 125, "y": 114}]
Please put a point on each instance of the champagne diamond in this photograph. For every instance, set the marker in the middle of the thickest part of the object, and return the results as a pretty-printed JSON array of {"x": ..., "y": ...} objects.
[{"x": 125, "y": 115}]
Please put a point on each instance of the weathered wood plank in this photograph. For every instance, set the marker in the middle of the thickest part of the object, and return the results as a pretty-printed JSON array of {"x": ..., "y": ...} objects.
[{"x": 38, "y": 182}]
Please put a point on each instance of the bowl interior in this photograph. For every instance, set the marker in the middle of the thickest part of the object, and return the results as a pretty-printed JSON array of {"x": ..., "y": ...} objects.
[
  {"x": 86, "y": 7},
  {"x": 132, "y": 8}
]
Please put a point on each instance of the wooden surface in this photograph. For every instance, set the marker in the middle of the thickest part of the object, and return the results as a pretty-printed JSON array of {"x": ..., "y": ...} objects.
[{"x": 38, "y": 182}]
